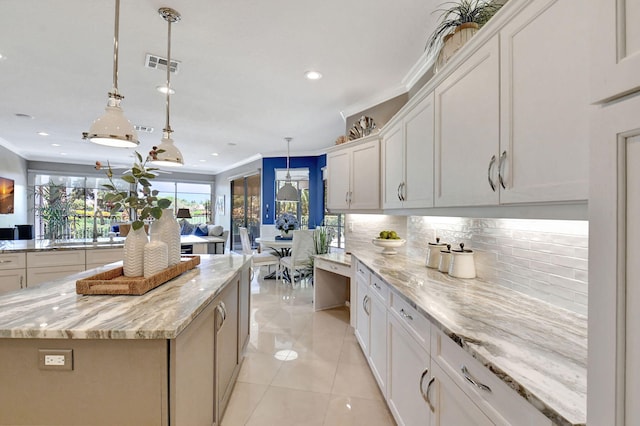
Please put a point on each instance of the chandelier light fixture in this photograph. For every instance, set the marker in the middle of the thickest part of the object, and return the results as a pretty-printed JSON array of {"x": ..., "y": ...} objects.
[
  {"x": 288, "y": 192},
  {"x": 167, "y": 154},
  {"x": 113, "y": 128}
]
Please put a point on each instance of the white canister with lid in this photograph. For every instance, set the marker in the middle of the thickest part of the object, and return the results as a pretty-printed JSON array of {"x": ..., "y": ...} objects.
[
  {"x": 433, "y": 253},
  {"x": 445, "y": 260},
  {"x": 462, "y": 263}
]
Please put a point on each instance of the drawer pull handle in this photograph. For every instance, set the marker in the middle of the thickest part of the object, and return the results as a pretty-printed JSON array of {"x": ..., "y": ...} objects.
[
  {"x": 335, "y": 268},
  {"x": 6, "y": 261},
  {"x": 405, "y": 315},
  {"x": 473, "y": 381},
  {"x": 377, "y": 286}
]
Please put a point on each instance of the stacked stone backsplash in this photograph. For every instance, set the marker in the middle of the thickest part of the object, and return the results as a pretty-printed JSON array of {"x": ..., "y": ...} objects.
[{"x": 546, "y": 259}]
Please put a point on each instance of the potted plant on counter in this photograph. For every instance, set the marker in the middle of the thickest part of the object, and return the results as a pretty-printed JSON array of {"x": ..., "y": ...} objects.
[{"x": 459, "y": 21}]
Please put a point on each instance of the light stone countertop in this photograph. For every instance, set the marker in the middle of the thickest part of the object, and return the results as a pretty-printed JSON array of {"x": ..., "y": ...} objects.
[
  {"x": 537, "y": 349},
  {"x": 55, "y": 311},
  {"x": 12, "y": 246},
  {"x": 340, "y": 258}
]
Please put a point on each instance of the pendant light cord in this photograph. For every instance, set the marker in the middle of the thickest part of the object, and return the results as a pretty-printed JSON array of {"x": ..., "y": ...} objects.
[
  {"x": 167, "y": 127},
  {"x": 288, "y": 174},
  {"x": 116, "y": 31}
]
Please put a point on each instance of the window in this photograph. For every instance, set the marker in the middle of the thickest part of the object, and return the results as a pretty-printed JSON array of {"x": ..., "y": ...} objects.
[
  {"x": 73, "y": 206},
  {"x": 335, "y": 222},
  {"x": 300, "y": 181}
]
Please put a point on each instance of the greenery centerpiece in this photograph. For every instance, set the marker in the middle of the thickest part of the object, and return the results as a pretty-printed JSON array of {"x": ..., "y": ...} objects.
[
  {"x": 460, "y": 15},
  {"x": 140, "y": 199},
  {"x": 286, "y": 223}
]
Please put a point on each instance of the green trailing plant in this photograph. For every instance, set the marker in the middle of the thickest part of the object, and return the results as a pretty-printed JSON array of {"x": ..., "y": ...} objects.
[
  {"x": 454, "y": 14},
  {"x": 322, "y": 237},
  {"x": 141, "y": 200}
]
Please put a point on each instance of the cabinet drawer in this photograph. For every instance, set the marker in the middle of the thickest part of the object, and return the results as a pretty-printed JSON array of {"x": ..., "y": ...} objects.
[
  {"x": 501, "y": 403},
  {"x": 104, "y": 256},
  {"x": 336, "y": 268},
  {"x": 56, "y": 258},
  {"x": 13, "y": 260},
  {"x": 363, "y": 272},
  {"x": 37, "y": 276},
  {"x": 414, "y": 322},
  {"x": 380, "y": 288}
]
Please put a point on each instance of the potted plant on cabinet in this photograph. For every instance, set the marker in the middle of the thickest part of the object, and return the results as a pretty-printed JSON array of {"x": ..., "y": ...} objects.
[{"x": 458, "y": 23}]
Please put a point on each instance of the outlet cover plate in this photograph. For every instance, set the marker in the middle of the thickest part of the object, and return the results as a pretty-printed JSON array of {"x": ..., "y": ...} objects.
[{"x": 55, "y": 359}]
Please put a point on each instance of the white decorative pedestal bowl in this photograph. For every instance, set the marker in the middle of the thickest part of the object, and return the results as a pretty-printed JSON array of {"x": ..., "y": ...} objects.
[{"x": 388, "y": 246}]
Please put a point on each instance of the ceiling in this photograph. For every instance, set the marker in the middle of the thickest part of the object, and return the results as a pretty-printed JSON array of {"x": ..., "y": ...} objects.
[{"x": 240, "y": 88}]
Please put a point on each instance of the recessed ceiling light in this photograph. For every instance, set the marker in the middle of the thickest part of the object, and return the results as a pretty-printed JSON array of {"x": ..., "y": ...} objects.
[
  {"x": 215, "y": 154},
  {"x": 43, "y": 133},
  {"x": 21, "y": 115},
  {"x": 163, "y": 89},
  {"x": 313, "y": 75},
  {"x": 2, "y": 57},
  {"x": 203, "y": 161},
  {"x": 63, "y": 153},
  {"x": 232, "y": 144},
  {"x": 55, "y": 144}
]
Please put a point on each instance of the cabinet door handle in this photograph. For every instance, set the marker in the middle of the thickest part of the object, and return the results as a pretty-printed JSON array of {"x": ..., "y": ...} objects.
[
  {"x": 21, "y": 281},
  {"x": 350, "y": 196},
  {"x": 402, "y": 191},
  {"x": 491, "y": 163},
  {"x": 398, "y": 192},
  {"x": 364, "y": 304},
  {"x": 223, "y": 307},
  {"x": 473, "y": 381},
  {"x": 425, "y": 394},
  {"x": 503, "y": 157},
  {"x": 405, "y": 315},
  {"x": 346, "y": 197}
]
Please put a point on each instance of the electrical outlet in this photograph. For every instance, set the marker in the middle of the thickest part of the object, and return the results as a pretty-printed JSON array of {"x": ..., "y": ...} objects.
[{"x": 55, "y": 359}]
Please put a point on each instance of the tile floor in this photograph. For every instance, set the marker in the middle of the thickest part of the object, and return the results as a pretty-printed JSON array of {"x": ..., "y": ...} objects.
[{"x": 302, "y": 367}]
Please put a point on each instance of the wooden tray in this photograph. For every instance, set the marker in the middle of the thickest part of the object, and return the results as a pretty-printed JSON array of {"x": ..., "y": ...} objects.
[{"x": 113, "y": 281}]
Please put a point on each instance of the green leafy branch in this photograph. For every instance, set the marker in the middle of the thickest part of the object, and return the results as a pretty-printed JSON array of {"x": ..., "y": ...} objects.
[{"x": 140, "y": 199}]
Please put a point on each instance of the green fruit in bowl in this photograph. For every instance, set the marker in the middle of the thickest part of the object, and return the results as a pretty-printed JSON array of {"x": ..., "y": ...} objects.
[
  {"x": 393, "y": 235},
  {"x": 384, "y": 235}
]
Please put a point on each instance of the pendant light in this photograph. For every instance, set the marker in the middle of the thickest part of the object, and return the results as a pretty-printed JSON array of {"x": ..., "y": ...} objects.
[
  {"x": 170, "y": 155},
  {"x": 112, "y": 128},
  {"x": 288, "y": 192}
]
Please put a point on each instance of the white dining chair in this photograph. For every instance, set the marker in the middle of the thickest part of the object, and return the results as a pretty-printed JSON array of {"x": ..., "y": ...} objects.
[
  {"x": 257, "y": 259},
  {"x": 301, "y": 251}
]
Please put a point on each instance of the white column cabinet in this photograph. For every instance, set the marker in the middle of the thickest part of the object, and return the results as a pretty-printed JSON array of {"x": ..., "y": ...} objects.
[
  {"x": 544, "y": 104},
  {"x": 467, "y": 131},
  {"x": 362, "y": 307},
  {"x": 353, "y": 175},
  {"x": 408, "y": 158}
]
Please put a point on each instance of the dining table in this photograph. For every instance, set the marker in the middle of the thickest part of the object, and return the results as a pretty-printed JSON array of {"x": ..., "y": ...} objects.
[{"x": 281, "y": 247}]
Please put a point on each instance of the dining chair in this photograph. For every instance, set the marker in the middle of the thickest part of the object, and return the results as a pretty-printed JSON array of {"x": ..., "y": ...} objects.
[
  {"x": 257, "y": 259},
  {"x": 300, "y": 257}
]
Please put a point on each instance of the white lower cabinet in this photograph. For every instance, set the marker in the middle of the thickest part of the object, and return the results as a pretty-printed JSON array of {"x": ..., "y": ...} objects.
[
  {"x": 451, "y": 405},
  {"x": 101, "y": 257},
  {"x": 425, "y": 377},
  {"x": 13, "y": 273},
  {"x": 45, "y": 266},
  {"x": 409, "y": 376}
]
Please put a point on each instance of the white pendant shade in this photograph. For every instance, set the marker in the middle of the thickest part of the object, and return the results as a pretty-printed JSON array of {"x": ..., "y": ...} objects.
[
  {"x": 171, "y": 157},
  {"x": 113, "y": 128},
  {"x": 287, "y": 193}
]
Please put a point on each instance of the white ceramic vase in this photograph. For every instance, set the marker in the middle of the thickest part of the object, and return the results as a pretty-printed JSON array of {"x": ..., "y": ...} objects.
[
  {"x": 167, "y": 230},
  {"x": 133, "y": 262},
  {"x": 156, "y": 258}
]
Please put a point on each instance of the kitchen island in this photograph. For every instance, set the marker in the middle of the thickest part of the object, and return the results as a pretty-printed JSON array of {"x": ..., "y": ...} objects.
[{"x": 170, "y": 356}]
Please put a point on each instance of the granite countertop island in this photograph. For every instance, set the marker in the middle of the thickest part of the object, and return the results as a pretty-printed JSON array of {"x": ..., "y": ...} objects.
[
  {"x": 538, "y": 349},
  {"x": 55, "y": 311}
]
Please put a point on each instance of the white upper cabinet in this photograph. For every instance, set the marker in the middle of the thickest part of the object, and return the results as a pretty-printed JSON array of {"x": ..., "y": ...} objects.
[
  {"x": 467, "y": 114},
  {"x": 353, "y": 177},
  {"x": 544, "y": 104},
  {"x": 408, "y": 159},
  {"x": 615, "y": 41}
]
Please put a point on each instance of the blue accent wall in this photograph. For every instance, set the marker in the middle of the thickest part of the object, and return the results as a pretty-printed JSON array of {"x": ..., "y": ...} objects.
[{"x": 316, "y": 186}]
